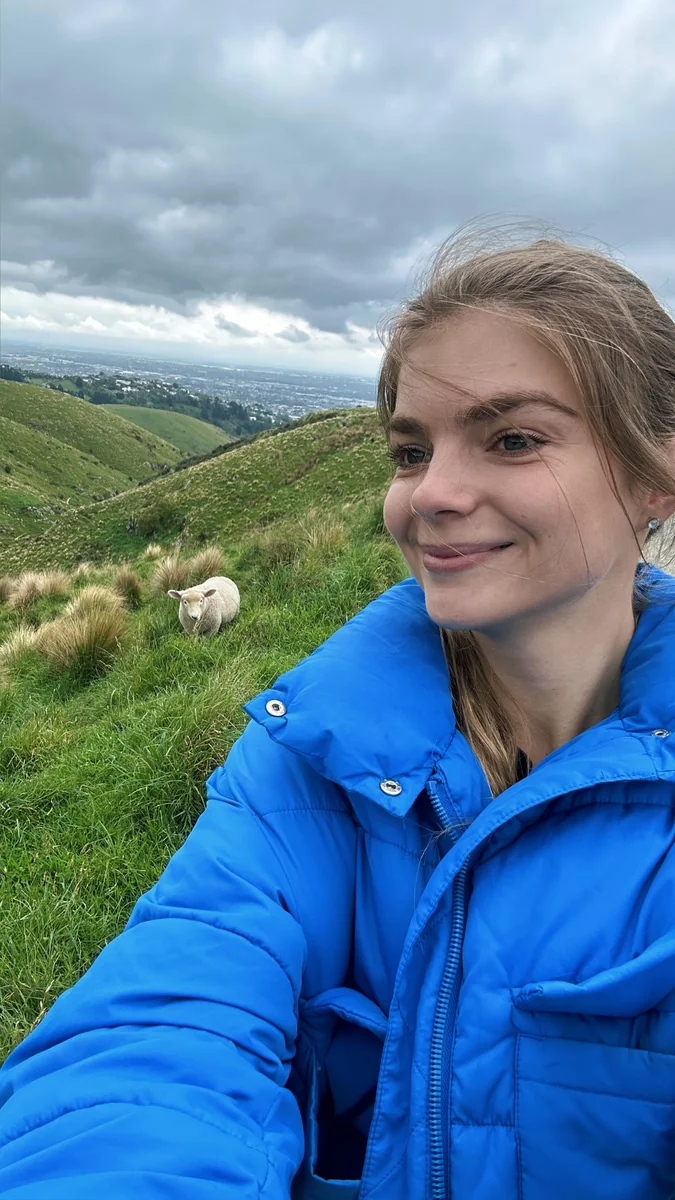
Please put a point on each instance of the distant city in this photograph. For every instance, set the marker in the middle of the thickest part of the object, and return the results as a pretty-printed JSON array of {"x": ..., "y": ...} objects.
[{"x": 287, "y": 394}]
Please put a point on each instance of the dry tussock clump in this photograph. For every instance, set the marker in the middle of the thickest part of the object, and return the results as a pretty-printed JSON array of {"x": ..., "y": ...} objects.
[
  {"x": 171, "y": 572},
  {"x": 154, "y": 550},
  {"x": 87, "y": 642},
  {"x": 92, "y": 599},
  {"x": 208, "y": 562},
  {"x": 127, "y": 585},
  {"x": 26, "y": 590},
  {"x": 54, "y": 583},
  {"x": 84, "y": 568},
  {"x": 7, "y": 587},
  {"x": 32, "y": 584}
]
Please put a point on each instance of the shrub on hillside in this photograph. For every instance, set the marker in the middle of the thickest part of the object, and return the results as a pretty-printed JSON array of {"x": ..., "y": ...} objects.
[
  {"x": 154, "y": 550},
  {"x": 85, "y": 644},
  {"x": 171, "y": 572},
  {"x": 7, "y": 587},
  {"x": 160, "y": 517},
  {"x": 92, "y": 599},
  {"x": 208, "y": 562},
  {"x": 128, "y": 585}
]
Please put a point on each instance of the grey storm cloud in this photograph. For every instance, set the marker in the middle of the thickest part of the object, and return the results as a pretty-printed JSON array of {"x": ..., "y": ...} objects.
[
  {"x": 303, "y": 157},
  {"x": 294, "y": 334},
  {"x": 233, "y": 328}
]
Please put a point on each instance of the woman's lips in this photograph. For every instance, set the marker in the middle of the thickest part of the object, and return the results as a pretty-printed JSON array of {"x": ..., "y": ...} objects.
[{"x": 461, "y": 557}]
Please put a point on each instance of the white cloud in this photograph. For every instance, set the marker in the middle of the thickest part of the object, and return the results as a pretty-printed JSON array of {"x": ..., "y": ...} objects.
[{"x": 225, "y": 326}]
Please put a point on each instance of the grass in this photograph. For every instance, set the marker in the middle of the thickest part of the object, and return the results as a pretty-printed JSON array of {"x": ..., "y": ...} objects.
[
  {"x": 102, "y": 770},
  {"x": 189, "y": 434}
]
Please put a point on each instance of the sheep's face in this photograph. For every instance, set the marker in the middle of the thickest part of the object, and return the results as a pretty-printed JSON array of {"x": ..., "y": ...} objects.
[{"x": 193, "y": 605}]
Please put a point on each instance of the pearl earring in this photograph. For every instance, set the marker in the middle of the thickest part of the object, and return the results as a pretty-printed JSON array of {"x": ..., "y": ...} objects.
[{"x": 653, "y": 525}]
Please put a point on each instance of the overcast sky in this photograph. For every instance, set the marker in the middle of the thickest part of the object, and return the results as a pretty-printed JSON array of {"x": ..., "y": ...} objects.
[{"x": 255, "y": 181}]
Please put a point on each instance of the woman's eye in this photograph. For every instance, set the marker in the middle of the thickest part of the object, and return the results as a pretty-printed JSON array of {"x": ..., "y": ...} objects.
[
  {"x": 407, "y": 456},
  {"x": 514, "y": 442}
]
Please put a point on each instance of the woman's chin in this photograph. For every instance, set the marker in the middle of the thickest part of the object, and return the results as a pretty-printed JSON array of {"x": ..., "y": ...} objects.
[{"x": 463, "y": 612}]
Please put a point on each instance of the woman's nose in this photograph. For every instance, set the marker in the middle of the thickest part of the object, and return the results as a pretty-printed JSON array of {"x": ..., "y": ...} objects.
[{"x": 445, "y": 486}]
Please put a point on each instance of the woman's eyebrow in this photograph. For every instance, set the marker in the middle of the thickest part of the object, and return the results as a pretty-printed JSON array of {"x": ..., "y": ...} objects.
[
  {"x": 500, "y": 405},
  {"x": 484, "y": 412}
]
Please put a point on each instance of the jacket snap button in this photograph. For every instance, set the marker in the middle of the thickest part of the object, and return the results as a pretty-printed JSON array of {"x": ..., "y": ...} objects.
[
  {"x": 660, "y": 733},
  {"x": 276, "y": 708},
  {"x": 390, "y": 787}
]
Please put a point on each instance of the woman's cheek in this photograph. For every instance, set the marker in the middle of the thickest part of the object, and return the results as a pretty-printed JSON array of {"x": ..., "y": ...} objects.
[{"x": 396, "y": 510}]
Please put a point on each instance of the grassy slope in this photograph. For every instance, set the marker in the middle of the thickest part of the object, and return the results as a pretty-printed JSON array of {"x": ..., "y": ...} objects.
[
  {"x": 109, "y": 439},
  {"x": 51, "y": 470},
  {"x": 100, "y": 782},
  {"x": 189, "y": 434},
  {"x": 275, "y": 475}
]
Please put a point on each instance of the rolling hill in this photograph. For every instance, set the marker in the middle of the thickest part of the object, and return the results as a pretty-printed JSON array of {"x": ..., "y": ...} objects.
[
  {"x": 57, "y": 450},
  {"x": 325, "y": 462},
  {"x": 189, "y": 434}
]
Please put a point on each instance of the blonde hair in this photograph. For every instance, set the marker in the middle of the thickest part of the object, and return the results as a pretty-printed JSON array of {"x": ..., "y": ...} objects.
[{"x": 618, "y": 344}]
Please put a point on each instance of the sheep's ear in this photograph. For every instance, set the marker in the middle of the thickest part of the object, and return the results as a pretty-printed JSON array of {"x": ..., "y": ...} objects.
[
  {"x": 174, "y": 594},
  {"x": 210, "y": 591}
]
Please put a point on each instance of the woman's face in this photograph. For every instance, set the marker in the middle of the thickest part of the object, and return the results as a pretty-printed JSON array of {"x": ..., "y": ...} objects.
[{"x": 505, "y": 516}]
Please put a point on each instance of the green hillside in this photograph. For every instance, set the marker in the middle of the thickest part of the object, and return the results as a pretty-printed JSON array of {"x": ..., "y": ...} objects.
[
  {"x": 102, "y": 771},
  {"x": 107, "y": 438},
  {"x": 338, "y": 458},
  {"x": 58, "y": 451},
  {"x": 189, "y": 434}
]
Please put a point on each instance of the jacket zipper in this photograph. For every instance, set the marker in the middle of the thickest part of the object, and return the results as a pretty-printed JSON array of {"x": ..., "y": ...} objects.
[{"x": 444, "y": 1021}]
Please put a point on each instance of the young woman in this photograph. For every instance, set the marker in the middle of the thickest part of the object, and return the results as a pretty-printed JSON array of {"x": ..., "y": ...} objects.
[{"x": 423, "y": 936}]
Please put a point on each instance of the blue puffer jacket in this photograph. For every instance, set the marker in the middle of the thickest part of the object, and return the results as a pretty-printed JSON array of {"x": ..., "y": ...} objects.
[{"x": 508, "y": 987}]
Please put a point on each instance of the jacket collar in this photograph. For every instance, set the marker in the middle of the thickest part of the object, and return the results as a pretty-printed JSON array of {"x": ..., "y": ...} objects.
[{"x": 373, "y": 702}]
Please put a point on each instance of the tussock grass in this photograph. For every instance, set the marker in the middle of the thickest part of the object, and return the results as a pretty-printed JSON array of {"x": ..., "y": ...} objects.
[
  {"x": 172, "y": 572},
  {"x": 85, "y": 643},
  {"x": 27, "y": 590},
  {"x": 208, "y": 562},
  {"x": 7, "y": 587},
  {"x": 54, "y": 583},
  {"x": 92, "y": 598},
  {"x": 128, "y": 585},
  {"x": 322, "y": 535},
  {"x": 154, "y": 550},
  {"x": 15, "y": 646},
  {"x": 84, "y": 568},
  {"x": 32, "y": 584},
  {"x": 13, "y": 649}
]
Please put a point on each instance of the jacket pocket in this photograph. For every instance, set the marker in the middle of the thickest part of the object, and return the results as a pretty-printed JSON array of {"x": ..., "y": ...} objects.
[
  {"x": 338, "y": 1052},
  {"x": 595, "y": 1115},
  {"x": 594, "y": 1121}
]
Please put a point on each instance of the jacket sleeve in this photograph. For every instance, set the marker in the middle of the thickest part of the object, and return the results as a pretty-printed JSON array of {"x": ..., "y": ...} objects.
[{"x": 161, "y": 1073}]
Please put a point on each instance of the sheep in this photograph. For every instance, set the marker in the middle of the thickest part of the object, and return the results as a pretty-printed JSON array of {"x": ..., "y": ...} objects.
[{"x": 206, "y": 606}]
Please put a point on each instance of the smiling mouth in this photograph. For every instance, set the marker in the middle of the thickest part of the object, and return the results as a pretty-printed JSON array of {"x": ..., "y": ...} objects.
[{"x": 462, "y": 556}]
